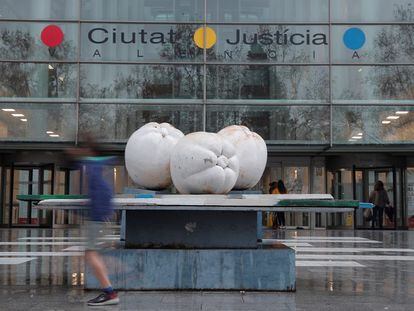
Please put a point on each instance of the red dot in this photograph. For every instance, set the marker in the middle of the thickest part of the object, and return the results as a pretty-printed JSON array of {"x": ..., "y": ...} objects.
[{"x": 52, "y": 36}]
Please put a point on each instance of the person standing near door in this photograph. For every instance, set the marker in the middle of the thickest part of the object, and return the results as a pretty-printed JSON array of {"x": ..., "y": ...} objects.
[
  {"x": 379, "y": 198},
  {"x": 279, "y": 188}
]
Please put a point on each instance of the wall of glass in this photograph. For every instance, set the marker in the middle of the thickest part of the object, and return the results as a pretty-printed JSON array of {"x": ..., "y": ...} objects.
[{"x": 304, "y": 72}]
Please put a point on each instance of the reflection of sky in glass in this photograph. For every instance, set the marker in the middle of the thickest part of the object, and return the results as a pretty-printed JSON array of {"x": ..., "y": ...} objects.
[
  {"x": 369, "y": 10},
  {"x": 39, "y": 9},
  {"x": 144, "y": 10},
  {"x": 372, "y": 83},
  {"x": 267, "y": 11}
]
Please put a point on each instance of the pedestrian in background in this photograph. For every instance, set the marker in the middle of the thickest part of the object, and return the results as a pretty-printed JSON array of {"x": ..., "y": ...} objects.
[
  {"x": 379, "y": 198},
  {"x": 272, "y": 189},
  {"x": 278, "y": 188}
]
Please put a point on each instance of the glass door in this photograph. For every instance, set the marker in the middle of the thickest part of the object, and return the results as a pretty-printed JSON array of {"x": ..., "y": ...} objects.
[
  {"x": 364, "y": 182},
  {"x": 68, "y": 181},
  {"x": 29, "y": 181},
  {"x": 296, "y": 179},
  {"x": 341, "y": 188}
]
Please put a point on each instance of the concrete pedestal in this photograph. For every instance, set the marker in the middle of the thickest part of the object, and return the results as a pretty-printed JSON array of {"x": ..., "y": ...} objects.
[{"x": 271, "y": 268}]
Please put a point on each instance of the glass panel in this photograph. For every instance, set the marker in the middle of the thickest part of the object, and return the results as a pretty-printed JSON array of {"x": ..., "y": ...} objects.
[
  {"x": 372, "y": 10},
  {"x": 361, "y": 192},
  {"x": 373, "y": 125},
  {"x": 38, "y": 80},
  {"x": 21, "y": 186},
  {"x": 273, "y": 172},
  {"x": 268, "y": 82},
  {"x": 6, "y": 196},
  {"x": 319, "y": 184},
  {"x": 141, "y": 81},
  {"x": 346, "y": 185},
  {"x": 32, "y": 122},
  {"x": 410, "y": 197},
  {"x": 296, "y": 179},
  {"x": 387, "y": 178},
  {"x": 287, "y": 124},
  {"x": 39, "y": 9},
  {"x": 271, "y": 43},
  {"x": 75, "y": 182},
  {"x": 340, "y": 186},
  {"x": 373, "y": 84},
  {"x": 139, "y": 42},
  {"x": 375, "y": 44},
  {"x": 47, "y": 182},
  {"x": 267, "y": 11},
  {"x": 120, "y": 179},
  {"x": 118, "y": 122},
  {"x": 61, "y": 181},
  {"x": 2, "y": 188},
  {"x": 398, "y": 217},
  {"x": 35, "y": 190},
  {"x": 24, "y": 41},
  {"x": 144, "y": 10}
]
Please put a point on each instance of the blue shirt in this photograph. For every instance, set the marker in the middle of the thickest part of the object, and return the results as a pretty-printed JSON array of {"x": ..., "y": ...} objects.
[{"x": 99, "y": 191}]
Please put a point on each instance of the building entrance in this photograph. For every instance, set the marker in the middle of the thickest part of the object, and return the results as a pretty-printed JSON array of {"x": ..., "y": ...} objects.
[
  {"x": 26, "y": 180},
  {"x": 364, "y": 180}
]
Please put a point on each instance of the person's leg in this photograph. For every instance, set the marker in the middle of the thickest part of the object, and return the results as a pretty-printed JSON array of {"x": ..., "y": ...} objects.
[
  {"x": 283, "y": 219},
  {"x": 275, "y": 221},
  {"x": 374, "y": 216},
  {"x": 279, "y": 218},
  {"x": 380, "y": 216},
  {"x": 96, "y": 230},
  {"x": 95, "y": 261}
]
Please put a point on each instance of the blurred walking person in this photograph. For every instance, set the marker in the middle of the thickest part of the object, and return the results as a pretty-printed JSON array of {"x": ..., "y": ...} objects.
[{"x": 100, "y": 211}]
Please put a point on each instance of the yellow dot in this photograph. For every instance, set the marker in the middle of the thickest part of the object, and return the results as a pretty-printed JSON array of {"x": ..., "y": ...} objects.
[{"x": 210, "y": 37}]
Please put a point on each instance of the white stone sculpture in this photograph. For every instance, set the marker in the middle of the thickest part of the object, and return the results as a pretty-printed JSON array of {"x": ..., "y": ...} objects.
[
  {"x": 147, "y": 154},
  {"x": 204, "y": 163},
  {"x": 252, "y": 154}
]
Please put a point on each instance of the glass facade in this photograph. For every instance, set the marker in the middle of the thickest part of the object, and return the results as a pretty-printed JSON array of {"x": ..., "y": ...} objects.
[
  {"x": 315, "y": 78},
  {"x": 305, "y": 72}
]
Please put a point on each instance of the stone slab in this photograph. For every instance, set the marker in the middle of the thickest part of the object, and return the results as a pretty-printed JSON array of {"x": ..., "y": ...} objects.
[
  {"x": 268, "y": 269},
  {"x": 190, "y": 229}
]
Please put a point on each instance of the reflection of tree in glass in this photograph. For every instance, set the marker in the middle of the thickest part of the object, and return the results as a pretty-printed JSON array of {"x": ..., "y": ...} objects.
[
  {"x": 35, "y": 80},
  {"x": 13, "y": 78},
  {"x": 30, "y": 80},
  {"x": 150, "y": 82},
  {"x": 395, "y": 44},
  {"x": 392, "y": 44},
  {"x": 118, "y": 122},
  {"x": 147, "y": 81},
  {"x": 183, "y": 47},
  {"x": 287, "y": 124},
  {"x": 156, "y": 81},
  {"x": 277, "y": 83},
  {"x": 294, "y": 180}
]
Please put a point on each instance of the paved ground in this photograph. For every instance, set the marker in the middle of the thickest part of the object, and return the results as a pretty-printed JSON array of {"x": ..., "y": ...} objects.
[{"x": 336, "y": 270}]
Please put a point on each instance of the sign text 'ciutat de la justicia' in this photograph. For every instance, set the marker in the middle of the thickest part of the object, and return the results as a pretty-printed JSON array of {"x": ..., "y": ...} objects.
[{"x": 279, "y": 43}]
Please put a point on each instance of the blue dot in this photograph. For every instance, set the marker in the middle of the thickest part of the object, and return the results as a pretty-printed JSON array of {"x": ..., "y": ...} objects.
[{"x": 354, "y": 38}]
